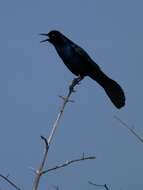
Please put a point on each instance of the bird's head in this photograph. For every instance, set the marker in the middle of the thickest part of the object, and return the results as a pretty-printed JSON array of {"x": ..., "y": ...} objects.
[{"x": 54, "y": 36}]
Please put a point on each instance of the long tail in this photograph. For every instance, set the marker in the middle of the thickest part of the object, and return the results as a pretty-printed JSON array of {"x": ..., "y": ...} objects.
[{"x": 111, "y": 87}]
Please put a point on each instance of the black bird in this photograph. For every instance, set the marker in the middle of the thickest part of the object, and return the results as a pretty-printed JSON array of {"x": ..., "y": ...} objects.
[{"x": 80, "y": 64}]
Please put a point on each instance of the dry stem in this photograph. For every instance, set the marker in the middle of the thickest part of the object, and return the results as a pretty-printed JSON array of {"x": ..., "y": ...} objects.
[
  {"x": 13, "y": 184},
  {"x": 68, "y": 162},
  {"x": 130, "y": 129},
  {"x": 49, "y": 139}
]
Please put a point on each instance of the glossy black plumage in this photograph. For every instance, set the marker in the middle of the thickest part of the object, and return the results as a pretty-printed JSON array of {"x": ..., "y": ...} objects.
[{"x": 80, "y": 64}]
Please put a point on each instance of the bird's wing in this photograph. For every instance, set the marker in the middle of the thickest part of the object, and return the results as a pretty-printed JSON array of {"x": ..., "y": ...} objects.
[{"x": 84, "y": 56}]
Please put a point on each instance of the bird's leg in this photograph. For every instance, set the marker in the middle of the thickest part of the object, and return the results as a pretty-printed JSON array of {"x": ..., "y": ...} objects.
[{"x": 75, "y": 82}]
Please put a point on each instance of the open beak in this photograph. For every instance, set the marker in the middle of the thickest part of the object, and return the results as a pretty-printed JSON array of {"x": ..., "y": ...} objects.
[{"x": 48, "y": 39}]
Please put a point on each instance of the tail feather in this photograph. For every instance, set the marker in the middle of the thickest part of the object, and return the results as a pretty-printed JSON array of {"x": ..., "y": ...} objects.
[{"x": 111, "y": 87}]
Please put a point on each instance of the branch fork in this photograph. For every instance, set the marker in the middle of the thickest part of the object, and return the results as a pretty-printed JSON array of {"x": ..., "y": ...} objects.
[{"x": 48, "y": 140}]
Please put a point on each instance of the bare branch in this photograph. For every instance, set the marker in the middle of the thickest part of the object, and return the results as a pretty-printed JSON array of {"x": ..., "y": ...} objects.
[
  {"x": 49, "y": 139},
  {"x": 130, "y": 129},
  {"x": 68, "y": 162},
  {"x": 97, "y": 185},
  {"x": 65, "y": 101},
  {"x": 10, "y": 182}
]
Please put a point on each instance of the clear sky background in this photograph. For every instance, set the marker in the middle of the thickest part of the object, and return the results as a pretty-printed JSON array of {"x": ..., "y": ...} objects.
[{"x": 32, "y": 77}]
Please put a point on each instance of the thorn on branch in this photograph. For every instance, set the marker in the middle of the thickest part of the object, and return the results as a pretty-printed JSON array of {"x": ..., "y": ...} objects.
[
  {"x": 65, "y": 98},
  {"x": 8, "y": 175},
  {"x": 106, "y": 187},
  {"x": 45, "y": 141},
  {"x": 97, "y": 185},
  {"x": 62, "y": 97}
]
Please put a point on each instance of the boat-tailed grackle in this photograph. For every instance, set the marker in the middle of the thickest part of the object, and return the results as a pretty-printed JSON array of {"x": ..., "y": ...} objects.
[{"x": 80, "y": 64}]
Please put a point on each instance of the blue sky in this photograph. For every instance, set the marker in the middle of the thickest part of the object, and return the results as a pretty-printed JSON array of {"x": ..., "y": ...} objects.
[{"x": 32, "y": 77}]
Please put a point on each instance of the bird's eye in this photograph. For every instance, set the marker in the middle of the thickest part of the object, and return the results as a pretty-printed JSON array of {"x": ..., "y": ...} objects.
[{"x": 53, "y": 35}]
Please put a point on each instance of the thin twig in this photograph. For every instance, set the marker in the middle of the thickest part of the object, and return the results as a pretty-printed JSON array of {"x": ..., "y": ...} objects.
[
  {"x": 49, "y": 139},
  {"x": 68, "y": 162},
  {"x": 97, "y": 185},
  {"x": 10, "y": 182},
  {"x": 130, "y": 129}
]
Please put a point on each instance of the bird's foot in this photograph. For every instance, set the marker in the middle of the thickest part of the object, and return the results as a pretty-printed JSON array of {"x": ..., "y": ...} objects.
[{"x": 76, "y": 81}]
